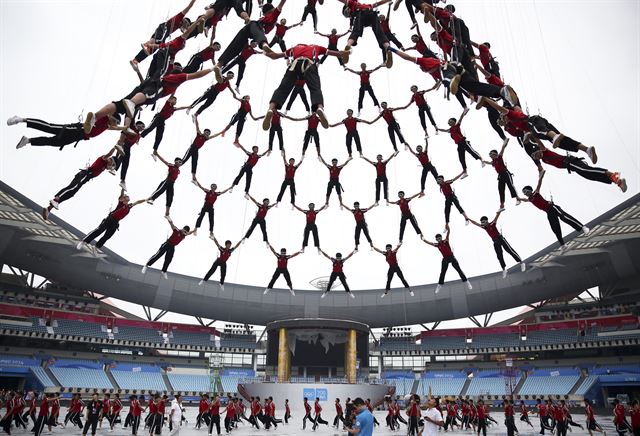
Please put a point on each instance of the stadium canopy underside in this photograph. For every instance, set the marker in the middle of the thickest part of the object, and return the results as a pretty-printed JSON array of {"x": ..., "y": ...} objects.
[{"x": 608, "y": 257}]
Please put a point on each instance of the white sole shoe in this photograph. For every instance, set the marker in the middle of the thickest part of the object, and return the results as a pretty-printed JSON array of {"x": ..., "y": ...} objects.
[
  {"x": 14, "y": 120},
  {"x": 23, "y": 142}
]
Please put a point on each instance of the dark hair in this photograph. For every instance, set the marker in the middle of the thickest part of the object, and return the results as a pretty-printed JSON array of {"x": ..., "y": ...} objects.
[
  {"x": 486, "y": 44},
  {"x": 484, "y": 218},
  {"x": 358, "y": 402},
  {"x": 229, "y": 242},
  {"x": 267, "y": 8},
  {"x": 527, "y": 188},
  {"x": 493, "y": 151},
  {"x": 438, "y": 235},
  {"x": 187, "y": 228}
]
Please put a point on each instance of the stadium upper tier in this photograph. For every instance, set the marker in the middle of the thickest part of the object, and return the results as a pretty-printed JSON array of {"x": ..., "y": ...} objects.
[{"x": 606, "y": 257}]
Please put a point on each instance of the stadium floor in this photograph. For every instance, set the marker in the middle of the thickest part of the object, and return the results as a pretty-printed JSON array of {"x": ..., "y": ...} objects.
[{"x": 294, "y": 428}]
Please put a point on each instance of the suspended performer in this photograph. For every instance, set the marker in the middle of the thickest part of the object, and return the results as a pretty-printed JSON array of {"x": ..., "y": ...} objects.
[
  {"x": 310, "y": 227},
  {"x": 64, "y": 134},
  {"x": 290, "y": 168},
  {"x": 240, "y": 117},
  {"x": 362, "y": 16},
  {"x": 351, "y": 124},
  {"x": 332, "y": 43},
  {"x": 105, "y": 162},
  {"x": 159, "y": 120},
  {"x": 282, "y": 268},
  {"x": 128, "y": 138},
  {"x": 365, "y": 84},
  {"x": 386, "y": 29},
  {"x": 555, "y": 214},
  {"x": 486, "y": 58},
  {"x": 167, "y": 185},
  {"x": 418, "y": 97},
  {"x": 427, "y": 165},
  {"x": 499, "y": 242},
  {"x": 391, "y": 255},
  {"x": 227, "y": 5},
  {"x": 276, "y": 129},
  {"x": 310, "y": 9},
  {"x": 168, "y": 248},
  {"x": 298, "y": 90},
  {"x": 406, "y": 214},
  {"x": 212, "y": 93},
  {"x": 461, "y": 142},
  {"x": 505, "y": 178},
  {"x": 241, "y": 61},
  {"x": 420, "y": 45},
  {"x": 303, "y": 64},
  {"x": 381, "y": 176},
  {"x": 334, "y": 177},
  {"x": 450, "y": 197},
  {"x": 259, "y": 219},
  {"x": 281, "y": 30},
  {"x": 221, "y": 261},
  {"x": 393, "y": 128},
  {"x": 210, "y": 197},
  {"x": 447, "y": 259},
  {"x": 198, "y": 59},
  {"x": 247, "y": 168},
  {"x": 194, "y": 149},
  {"x": 361, "y": 223},
  {"x": 337, "y": 272}
]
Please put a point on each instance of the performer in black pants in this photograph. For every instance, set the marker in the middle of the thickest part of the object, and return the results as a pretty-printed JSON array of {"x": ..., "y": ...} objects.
[
  {"x": 351, "y": 123},
  {"x": 259, "y": 219},
  {"x": 193, "y": 151},
  {"x": 418, "y": 97},
  {"x": 406, "y": 214},
  {"x": 160, "y": 118},
  {"x": 393, "y": 128},
  {"x": 94, "y": 414},
  {"x": 447, "y": 259},
  {"x": 449, "y": 195},
  {"x": 337, "y": 273},
  {"x": 298, "y": 90},
  {"x": 555, "y": 214},
  {"x": 212, "y": 93},
  {"x": 365, "y": 84},
  {"x": 207, "y": 54},
  {"x": 210, "y": 197},
  {"x": 281, "y": 30},
  {"x": 505, "y": 178},
  {"x": 310, "y": 227},
  {"x": 214, "y": 413},
  {"x": 307, "y": 413},
  {"x": 290, "y": 169},
  {"x": 310, "y": 9},
  {"x": 128, "y": 138},
  {"x": 334, "y": 177},
  {"x": 381, "y": 176},
  {"x": 363, "y": 16},
  {"x": 173, "y": 171},
  {"x": 247, "y": 168},
  {"x": 241, "y": 61},
  {"x": 361, "y": 224},
  {"x": 332, "y": 44},
  {"x": 427, "y": 166},
  {"x": 167, "y": 249},
  {"x": 221, "y": 261},
  {"x": 499, "y": 242},
  {"x": 386, "y": 29},
  {"x": 276, "y": 129},
  {"x": 240, "y": 117},
  {"x": 339, "y": 415},
  {"x": 283, "y": 260},
  {"x": 392, "y": 260},
  {"x": 461, "y": 141}
]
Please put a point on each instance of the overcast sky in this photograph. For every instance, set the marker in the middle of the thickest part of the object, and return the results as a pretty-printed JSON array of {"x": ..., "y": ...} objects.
[{"x": 574, "y": 62}]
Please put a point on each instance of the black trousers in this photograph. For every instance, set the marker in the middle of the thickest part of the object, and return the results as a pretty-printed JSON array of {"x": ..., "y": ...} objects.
[
  {"x": 251, "y": 31},
  {"x": 223, "y": 271},
  {"x": 227, "y": 424},
  {"x": 92, "y": 423},
  {"x": 292, "y": 189},
  {"x": 423, "y": 110},
  {"x": 309, "y": 10},
  {"x": 273, "y": 131},
  {"x": 245, "y": 170},
  {"x": 135, "y": 424},
  {"x": 208, "y": 98},
  {"x": 505, "y": 179},
  {"x": 309, "y": 72},
  {"x": 193, "y": 65},
  {"x": 167, "y": 250},
  {"x": 207, "y": 209},
  {"x": 108, "y": 226},
  {"x": 394, "y": 129},
  {"x": 451, "y": 199},
  {"x": 313, "y": 229},
  {"x": 308, "y": 135},
  {"x": 445, "y": 265},
  {"x": 318, "y": 420},
  {"x": 498, "y": 245},
  {"x": 239, "y": 117},
  {"x": 64, "y": 134},
  {"x": 353, "y": 136},
  {"x": 215, "y": 420},
  {"x": 555, "y": 214},
  {"x": 364, "y": 19},
  {"x": 276, "y": 274},
  {"x": 6, "y": 424},
  {"x": 392, "y": 38},
  {"x": 361, "y": 226},
  {"x": 81, "y": 177},
  {"x": 382, "y": 181},
  {"x": 203, "y": 417},
  {"x": 463, "y": 148},
  {"x": 403, "y": 223},
  {"x": 338, "y": 419},
  {"x": 334, "y": 184},
  {"x": 304, "y": 420},
  {"x": 157, "y": 123},
  {"x": 390, "y": 422},
  {"x": 298, "y": 91},
  {"x": 395, "y": 270},
  {"x": 413, "y": 425},
  {"x": 242, "y": 66},
  {"x": 192, "y": 153},
  {"x": 366, "y": 88},
  {"x": 122, "y": 162},
  {"x": 426, "y": 169},
  {"x": 343, "y": 280},
  {"x": 280, "y": 41},
  {"x": 494, "y": 116},
  {"x": 579, "y": 167},
  {"x": 165, "y": 186},
  {"x": 561, "y": 428},
  {"x": 333, "y": 47},
  {"x": 254, "y": 421},
  {"x": 482, "y": 426},
  {"x": 263, "y": 227}
]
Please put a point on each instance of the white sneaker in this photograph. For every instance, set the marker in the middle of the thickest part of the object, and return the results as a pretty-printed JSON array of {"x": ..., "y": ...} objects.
[
  {"x": 165, "y": 276},
  {"x": 469, "y": 286},
  {"x": 221, "y": 286},
  {"x": 482, "y": 164},
  {"x": 119, "y": 148},
  {"x": 55, "y": 204},
  {"x": 123, "y": 185},
  {"x": 323, "y": 118},
  {"x": 591, "y": 152},
  {"x": 351, "y": 295},
  {"x": 384, "y": 295},
  {"x": 266, "y": 291},
  {"x": 80, "y": 245},
  {"x": 358, "y": 115},
  {"x": 14, "y": 120},
  {"x": 438, "y": 287},
  {"x": 518, "y": 202},
  {"x": 129, "y": 107},
  {"x": 523, "y": 266},
  {"x": 292, "y": 292},
  {"x": 324, "y": 294},
  {"x": 585, "y": 230},
  {"x": 23, "y": 141},
  {"x": 502, "y": 209},
  {"x": 195, "y": 232},
  {"x": 504, "y": 273},
  {"x": 411, "y": 293},
  {"x": 144, "y": 269},
  {"x": 89, "y": 122},
  {"x": 464, "y": 175},
  {"x": 200, "y": 283},
  {"x": 194, "y": 181},
  {"x": 155, "y": 158}
]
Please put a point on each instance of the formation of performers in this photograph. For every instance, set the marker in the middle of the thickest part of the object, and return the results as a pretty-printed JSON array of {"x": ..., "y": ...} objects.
[{"x": 453, "y": 65}]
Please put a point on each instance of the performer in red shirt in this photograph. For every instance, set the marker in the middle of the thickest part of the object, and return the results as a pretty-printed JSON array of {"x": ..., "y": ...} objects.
[
  {"x": 447, "y": 259},
  {"x": 281, "y": 30},
  {"x": 450, "y": 197},
  {"x": 194, "y": 149},
  {"x": 290, "y": 169},
  {"x": 221, "y": 261},
  {"x": 160, "y": 118},
  {"x": 619, "y": 418},
  {"x": 635, "y": 417},
  {"x": 406, "y": 214},
  {"x": 210, "y": 197},
  {"x": 381, "y": 175},
  {"x": 287, "y": 411},
  {"x": 418, "y": 97},
  {"x": 212, "y": 93},
  {"x": 391, "y": 256},
  {"x": 362, "y": 16},
  {"x": 259, "y": 219},
  {"x": 167, "y": 249},
  {"x": 386, "y": 29},
  {"x": 505, "y": 178},
  {"x": 214, "y": 413},
  {"x": 332, "y": 43},
  {"x": 310, "y": 9},
  {"x": 241, "y": 61},
  {"x": 298, "y": 90},
  {"x": 128, "y": 138},
  {"x": 334, "y": 177},
  {"x": 461, "y": 141},
  {"x": 207, "y": 54},
  {"x": 486, "y": 58},
  {"x": 310, "y": 227},
  {"x": 351, "y": 124},
  {"x": 282, "y": 268},
  {"x": 167, "y": 185},
  {"x": 365, "y": 84},
  {"x": 361, "y": 224},
  {"x": 247, "y": 169},
  {"x": 427, "y": 165},
  {"x": 339, "y": 415},
  {"x": 337, "y": 273},
  {"x": 592, "y": 425},
  {"x": 240, "y": 117},
  {"x": 393, "y": 128},
  {"x": 307, "y": 413},
  {"x": 317, "y": 419}
]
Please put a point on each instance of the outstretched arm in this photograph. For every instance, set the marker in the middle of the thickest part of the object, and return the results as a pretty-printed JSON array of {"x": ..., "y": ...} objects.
[
  {"x": 373, "y": 120},
  {"x": 539, "y": 185},
  {"x": 350, "y": 70},
  {"x": 344, "y": 259},
  {"x": 456, "y": 178},
  {"x": 346, "y": 207},
  {"x": 325, "y": 254},
  {"x": 504, "y": 145},
  {"x": 199, "y": 185},
  {"x": 173, "y": 226},
  {"x": 162, "y": 160},
  {"x": 433, "y": 244},
  {"x": 297, "y": 208},
  {"x": 272, "y": 250},
  {"x": 254, "y": 200},
  {"x": 300, "y": 162},
  {"x": 495, "y": 220},
  {"x": 377, "y": 249},
  {"x": 370, "y": 161},
  {"x": 405, "y": 56},
  {"x": 186, "y": 10},
  {"x": 475, "y": 223},
  {"x": 411, "y": 150},
  {"x": 391, "y": 157},
  {"x": 376, "y": 68},
  {"x": 215, "y": 241},
  {"x": 465, "y": 111},
  {"x": 349, "y": 159}
]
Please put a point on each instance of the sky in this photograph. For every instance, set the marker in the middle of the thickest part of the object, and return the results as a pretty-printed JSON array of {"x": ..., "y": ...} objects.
[{"x": 574, "y": 62}]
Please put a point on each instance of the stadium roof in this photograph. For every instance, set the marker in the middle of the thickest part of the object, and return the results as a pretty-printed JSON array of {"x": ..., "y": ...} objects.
[{"x": 609, "y": 257}]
